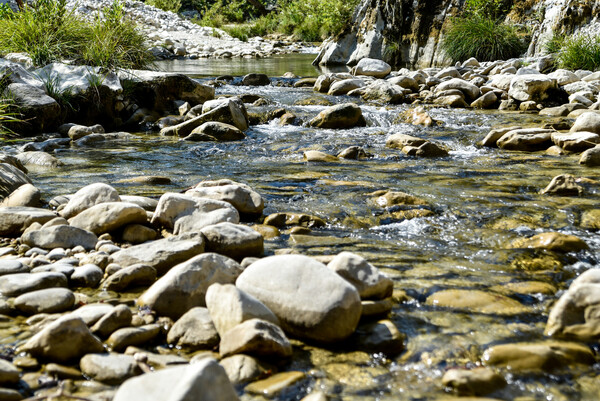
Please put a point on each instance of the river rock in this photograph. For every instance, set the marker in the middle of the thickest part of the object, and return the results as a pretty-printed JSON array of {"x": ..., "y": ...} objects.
[
  {"x": 372, "y": 67},
  {"x": 60, "y": 237},
  {"x": 576, "y": 141},
  {"x": 564, "y": 77},
  {"x": 12, "y": 285},
  {"x": 341, "y": 116},
  {"x": 123, "y": 338},
  {"x": 229, "y": 306},
  {"x": 15, "y": 219},
  {"x": 50, "y": 300},
  {"x": 469, "y": 90},
  {"x": 185, "y": 285},
  {"x": 563, "y": 185},
  {"x": 527, "y": 139},
  {"x": 138, "y": 234},
  {"x": 382, "y": 336},
  {"x": 353, "y": 153},
  {"x": 243, "y": 368},
  {"x": 255, "y": 337},
  {"x": 108, "y": 216},
  {"x": 50, "y": 342},
  {"x": 536, "y": 87},
  {"x": 486, "y": 101},
  {"x": 552, "y": 241},
  {"x": 11, "y": 178},
  {"x": 544, "y": 356},
  {"x": 476, "y": 301},
  {"x": 254, "y": 79},
  {"x": 309, "y": 300},
  {"x": 131, "y": 276},
  {"x": 117, "y": 318},
  {"x": 38, "y": 111},
  {"x": 344, "y": 86},
  {"x": 194, "y": 330},
  {"x": 454, "y": 101},
  {"x": 91, "y": 313},
  {"x": 396, "y": 198},
  {"x": 591, "y": 157},
  {"x": 590, "y": 219},
  {"x": 37, "y": 158},
  {"x": 316, "y": 156},
  {"x": 405, "y": 82},
  {"x": 575, "y": 315},
  {"x": 26, "y": 195},
  {"x": 241, "y": 196},
  {"x": 219, "y": 132},
  {"x": 79, "y": 131},
  {"x": 274, "y": 385},
  {"x": 227, "y": 110},
  {"x": 191, "y": 214},
  {"x": 161, "y": 254},
  {"x": 9, "y": 374},
  {"x": 470, "y": 382},
  {"x": 205, "y": 380},
  {"x": 109, "y": 368},
  {"x": 281, "y": 220},
  {"x": 144, "y": 202},
  {"x": 367, "y": 279},
  {"x": 589, "y": 122},
  {"x": 88, "y": 275},
  {"x": 12, "y": 267},
  {"x": 89, "y": 196},
  {"x": 383, "y": 92}
]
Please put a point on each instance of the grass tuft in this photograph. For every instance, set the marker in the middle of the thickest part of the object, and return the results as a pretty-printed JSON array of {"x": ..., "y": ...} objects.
[{"x": 580, "y": 52}]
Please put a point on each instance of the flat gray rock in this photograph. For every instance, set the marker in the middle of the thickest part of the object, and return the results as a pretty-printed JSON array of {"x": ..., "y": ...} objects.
[
  {"x": 109, "y": 216},
  {"x": 234, "y": 240},
  {"x": 131, "y": 276},
  {"x": 119, "y": 317},
  {"x": 16, "y": 284},
  {"x": 12, "y": 267},
  {"x": 89, "y": 196},
  {"x": 205, "y": 380},
  {"x": 256, "y": 337},
  {"x": 109, "y": 368},
  {"x": 88, "y": 275},
  {"x": 15, "y": 219},
  {"x": 60, "y": 237},
  {"x": 194, "y": 330},
  {"x": 50, "y": 300}
]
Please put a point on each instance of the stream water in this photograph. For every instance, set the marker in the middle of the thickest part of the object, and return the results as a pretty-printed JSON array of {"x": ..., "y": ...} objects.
[{"x": 482, "y": 200}]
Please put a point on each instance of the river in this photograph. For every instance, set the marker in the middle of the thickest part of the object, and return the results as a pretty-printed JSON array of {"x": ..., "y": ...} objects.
[{"x": 482, "y": 199}]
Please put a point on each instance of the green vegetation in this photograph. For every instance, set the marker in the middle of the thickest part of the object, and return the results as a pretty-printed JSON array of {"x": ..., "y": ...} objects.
[
  {"x": 48, "y": 32},
  {"x": 167, "y": 5},
  {"x": 308, "y": 20},
  {"x": 479, "y": 32},
  {"x": 580, "y": 52}
]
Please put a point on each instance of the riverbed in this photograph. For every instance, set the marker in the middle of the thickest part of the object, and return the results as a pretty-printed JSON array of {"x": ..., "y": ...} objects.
[{"x": 481, "y": 200}]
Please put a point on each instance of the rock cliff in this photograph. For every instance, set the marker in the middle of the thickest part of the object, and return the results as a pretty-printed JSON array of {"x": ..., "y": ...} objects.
[{"x": 409, "y": 32}]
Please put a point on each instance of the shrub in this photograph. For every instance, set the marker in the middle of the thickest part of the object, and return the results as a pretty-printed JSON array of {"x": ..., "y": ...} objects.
[
  {"x": 48, "y": 32},
  {"x": 555, "y": 44},
  {"x": 166, "y": 5},
  {"x": 580, "y": 52},
  {"x": 483, "y": 38}
]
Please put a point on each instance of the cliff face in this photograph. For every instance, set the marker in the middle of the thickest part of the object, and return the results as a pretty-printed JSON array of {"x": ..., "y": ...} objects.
[{"x": 410, "y": 31}]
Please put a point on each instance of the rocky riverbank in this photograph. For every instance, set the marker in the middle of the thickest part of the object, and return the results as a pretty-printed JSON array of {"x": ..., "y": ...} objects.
[{"x": 268, "y": 291}]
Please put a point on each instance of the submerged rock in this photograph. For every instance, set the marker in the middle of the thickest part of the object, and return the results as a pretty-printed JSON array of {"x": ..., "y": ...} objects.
[
  {"x": 552, "y": 241},
  {"x": 469, "y": 382},
  {"x": 476, "y": 301}
]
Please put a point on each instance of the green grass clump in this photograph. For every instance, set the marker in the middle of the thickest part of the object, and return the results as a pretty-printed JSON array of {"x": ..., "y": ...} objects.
[
  {"x": 580, "y": 52},
  {"x": 166, "y": 5},
  {"x": 48, "y": 32},
  {"x": 482, "y": 37}
]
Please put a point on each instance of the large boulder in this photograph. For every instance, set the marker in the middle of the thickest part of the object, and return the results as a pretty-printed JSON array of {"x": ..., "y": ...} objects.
[
  {"x": 575, "y": 314},
  {"x": 345, "y": 115},
  {"x": 14, "y": 220},
  {"x": 205, "y": 380},
  {"x": 184, "y": 213},
  {"x": 536, "y": 87},
  {"x": 89, "y": 196},
  {"x": 185, "y": 285},
  {"x": 161, "y": 254},
  {"x": 109, "y": 216},
  {"x": 61, "y": 236},
  {"x": 310, "y": 300},
  {"x": 241, "y": 196},
  {"x": 50, "y": 342},
  {"x": 372, "y": 67},
  {"x": 158, "y": 90}
]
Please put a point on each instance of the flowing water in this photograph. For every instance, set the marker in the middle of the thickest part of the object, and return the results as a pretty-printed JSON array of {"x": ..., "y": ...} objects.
[{"x": 482, "y": 199}]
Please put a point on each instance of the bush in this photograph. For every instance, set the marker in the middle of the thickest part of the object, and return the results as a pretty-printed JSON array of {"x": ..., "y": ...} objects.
[
  {"x": 483, "y": 38},
  {"x": 48, "y": 32},
  {"x": 166, "y": 5},
  {"x": 580, "y": 52}
]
